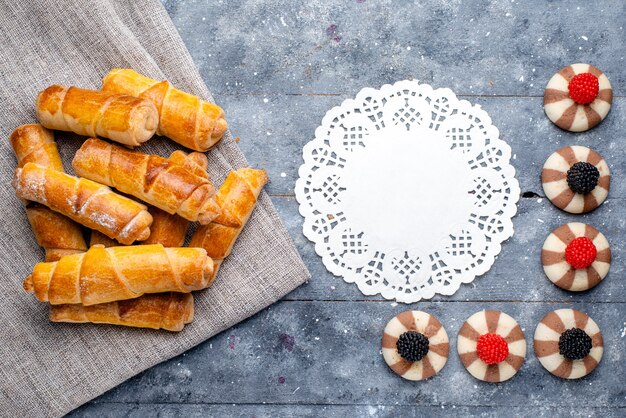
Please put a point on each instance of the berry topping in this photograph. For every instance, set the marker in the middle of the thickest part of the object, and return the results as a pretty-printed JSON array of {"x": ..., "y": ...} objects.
[
  {"x": 412, "y": 346},
  {"x": 574, "y": 344},
  {"x": 580, "y": 253},
  {"x": 582, "y": 177},
  {"x": 583, "y": 88},
  {"x": 492, "y": 349}
]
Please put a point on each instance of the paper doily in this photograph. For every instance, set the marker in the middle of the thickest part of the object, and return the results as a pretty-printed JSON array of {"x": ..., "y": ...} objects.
[{"x": 407, "y": 191}]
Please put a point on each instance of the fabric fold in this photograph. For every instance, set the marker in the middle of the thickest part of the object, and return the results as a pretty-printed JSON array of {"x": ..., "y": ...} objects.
[{"x": 49, "y": 369}]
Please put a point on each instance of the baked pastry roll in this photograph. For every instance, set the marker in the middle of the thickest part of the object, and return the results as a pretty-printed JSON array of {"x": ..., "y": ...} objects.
[
  {"x": 151, "y": 178},
  {"x": 195, "y": 162},
  {"x": 84, "y": 201},
  {"x": 55, "y": 233},
  {"x": 237, "y": 198},
  {"x": 183, "y": 117},
  {"x": 98, "y": 238},
  {"x": 103, "y": 275},
  {"x": 169, "y": 311},
  {"x": 167, "y": 229},
  {"x": 122, "y": 118}
]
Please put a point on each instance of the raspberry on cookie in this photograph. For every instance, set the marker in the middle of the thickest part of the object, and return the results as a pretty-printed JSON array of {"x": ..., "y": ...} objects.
[
  {"x": 415, "y": 345},
  {"x": 568, "y": 343},
  {"x": 576, "y": 179},
  {"x": 576, "y": 257},
  {"x": 578, "y": 97},
  {"x": 491, "y": 345}
]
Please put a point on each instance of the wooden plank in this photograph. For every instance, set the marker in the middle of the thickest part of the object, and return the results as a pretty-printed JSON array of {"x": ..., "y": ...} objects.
[
  {"x": 517, "y": 274},
  {"x": 274, "y": 133},
  {"x": 473, "y": 47},
  {"x": 331, "y": 411},
  {"x": 329, "y": 353}
]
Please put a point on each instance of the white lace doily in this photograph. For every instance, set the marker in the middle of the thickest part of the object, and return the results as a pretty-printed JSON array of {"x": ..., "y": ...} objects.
[{"x": 407, "y": 191}]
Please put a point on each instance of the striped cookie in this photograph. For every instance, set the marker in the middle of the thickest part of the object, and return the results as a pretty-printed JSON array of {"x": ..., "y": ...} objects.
[
  {"x": 430, "y": 330},
  {"x": 550, "y": 337},
  {"x": 485, "y": 325},
  {"x": 560, "y": 272},
  {"x": 572, "y": 116},
  {"x": 556, "y": 187}
]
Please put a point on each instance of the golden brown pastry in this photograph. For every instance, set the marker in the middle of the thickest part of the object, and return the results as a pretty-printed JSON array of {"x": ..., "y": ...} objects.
[
  {"x": 237, "y": 196},
  {"x": 84, "y": 201},
  {"x": 57, "y": 234},
  {"x": 103, "y": 275},
  {"x": 151, "y": 178},
  {"x": 35, "y": 144},
  {"x": 196, "y": 162},
  {"x": 98, "y": 238},
  {"x": 122, "y": 118},
  {"x": 183, "y": 117},
  {"x": 166, "y": 229},
  {"x": 170, "y": 230},
  {"x": 169, "y": 311}
]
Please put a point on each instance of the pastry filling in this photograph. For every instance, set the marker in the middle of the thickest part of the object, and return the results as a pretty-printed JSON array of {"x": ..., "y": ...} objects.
[
  {"x": 581, "y": 253},
  {"x": 583, "y": 177},
  {"x": 492, "y": 348},
  {"x": 412, "y": 346},
  {"x": 574, "y": 344},
  {"x": 584, "y": 88}
]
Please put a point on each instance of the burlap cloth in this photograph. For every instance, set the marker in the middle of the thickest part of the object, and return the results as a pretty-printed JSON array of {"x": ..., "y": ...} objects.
[{"x": 49, "y": 369}]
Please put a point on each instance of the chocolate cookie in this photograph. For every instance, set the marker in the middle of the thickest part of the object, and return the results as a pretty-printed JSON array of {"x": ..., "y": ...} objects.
[
  {"x": 576, "y": 179},
  {"x": 576, "y": 257},
  {"x": 491, "y": 346},
  {"x": 568, "y": 343},
  {"x": 415, "y": 345},
  {"x": 578, "y": 97}
]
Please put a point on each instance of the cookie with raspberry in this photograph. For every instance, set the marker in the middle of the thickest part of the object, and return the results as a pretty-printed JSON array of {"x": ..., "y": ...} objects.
[
  {"x": 415, "y": 345},
  {"x": 491, "y": 346},
  {"x": 576, "y": 257},
  {"x": 576, "y": 179},
  {"x": 578, "y": 97},
  {"x": 568, "y": 343}
]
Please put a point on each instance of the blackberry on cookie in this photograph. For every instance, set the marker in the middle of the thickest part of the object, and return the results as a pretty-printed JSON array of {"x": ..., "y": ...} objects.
[
  {"x": 568, "y": 343},
  {"x": 415, "y": 345},
  {"x": 576, "y": 179}
]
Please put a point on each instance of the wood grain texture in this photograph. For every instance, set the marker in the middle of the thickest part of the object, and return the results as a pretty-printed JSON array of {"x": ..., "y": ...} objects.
[{"x": 276, "y": 80}]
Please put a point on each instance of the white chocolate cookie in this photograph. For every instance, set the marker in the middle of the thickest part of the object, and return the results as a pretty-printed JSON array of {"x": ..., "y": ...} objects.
[
  {"x": 549, "y": 334},
  {"x": 506, "y": 331},
  {"x": 413, "y": 322},
  {"x": 565, "y": 112},
  {"x": 555, "y": 185},
  {"x": 560, "y": 272}
]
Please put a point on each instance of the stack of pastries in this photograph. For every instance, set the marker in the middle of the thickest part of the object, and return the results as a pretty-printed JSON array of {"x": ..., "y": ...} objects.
[{"x": 134, "y": 270}]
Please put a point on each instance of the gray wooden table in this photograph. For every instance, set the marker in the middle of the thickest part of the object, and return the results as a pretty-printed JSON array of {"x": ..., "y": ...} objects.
[{"x": 277, "y": 66}]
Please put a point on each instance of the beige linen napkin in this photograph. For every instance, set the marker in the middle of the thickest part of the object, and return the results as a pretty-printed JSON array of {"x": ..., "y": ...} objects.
[{"x": 49, "y": 369}]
